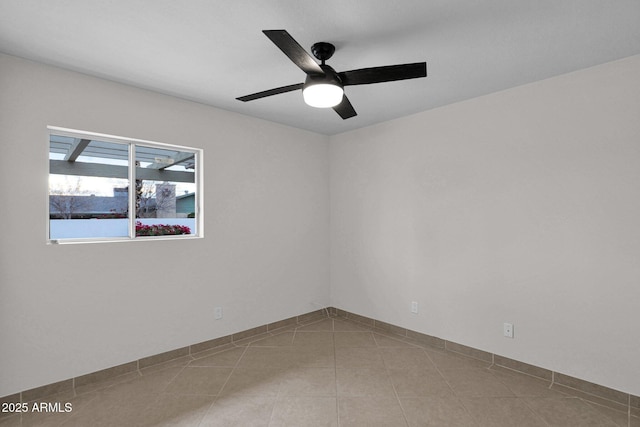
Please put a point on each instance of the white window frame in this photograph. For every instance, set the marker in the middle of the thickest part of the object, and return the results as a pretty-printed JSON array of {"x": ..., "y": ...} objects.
[{"x": 132, "y": 143}]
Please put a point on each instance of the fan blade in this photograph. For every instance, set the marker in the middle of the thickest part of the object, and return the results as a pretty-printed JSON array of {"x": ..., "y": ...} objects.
[
  {"x": 270, "y": 92},
  {"x": 345, "y": 109},
  {"x": 388, "y": 73},
  {"x": 294, "y": 51}
]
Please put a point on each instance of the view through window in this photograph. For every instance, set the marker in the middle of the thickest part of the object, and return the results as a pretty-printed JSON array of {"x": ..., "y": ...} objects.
[{"x": 111, "y": 188}]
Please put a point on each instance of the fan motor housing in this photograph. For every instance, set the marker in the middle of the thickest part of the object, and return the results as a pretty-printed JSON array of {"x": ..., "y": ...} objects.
[
  {"x": 323, "y": 50},
  {"x": 329, "y": 77}
]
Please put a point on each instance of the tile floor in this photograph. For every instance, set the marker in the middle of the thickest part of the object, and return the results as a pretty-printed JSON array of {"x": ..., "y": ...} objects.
[{"x": 331, "y": 372}]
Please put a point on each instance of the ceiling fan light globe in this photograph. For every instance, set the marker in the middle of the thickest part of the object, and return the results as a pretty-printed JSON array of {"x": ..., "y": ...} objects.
[{"x": 322, "y": 95}]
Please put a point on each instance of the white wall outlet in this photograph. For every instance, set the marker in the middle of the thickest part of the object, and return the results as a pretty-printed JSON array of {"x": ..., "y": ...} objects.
[
  {"x": 414, "y": 307},
  {"x": 508, "y": 330},
  {"x": 217, "y": 313}
]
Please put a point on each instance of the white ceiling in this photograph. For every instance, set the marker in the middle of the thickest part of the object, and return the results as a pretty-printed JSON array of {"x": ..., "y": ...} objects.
[{"x": 214, "y": 51}]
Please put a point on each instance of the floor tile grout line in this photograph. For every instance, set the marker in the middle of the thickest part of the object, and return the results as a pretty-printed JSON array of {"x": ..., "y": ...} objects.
[
  {"x": 533, "y": 410},
  {"x": 335, "y": 370},
  {"x": 523, "y": 398},
  {"x": 466, "y": 410},
  {"x": 278, "y": 395},
  {"x": 589, "y": 403},
  {"x": 457, "y": 397},
  {"x": 71, "y": 417},
  {"x": 275, "y": 399},
  {"x": 577, "y": 396},
  {"x": 515, "y": 396},
  {"x": 233, "y": 369},
  {"x": 295, "y": 331},
  {"x": 395, "y": 391},
  {"x": 204, "y": 414}
]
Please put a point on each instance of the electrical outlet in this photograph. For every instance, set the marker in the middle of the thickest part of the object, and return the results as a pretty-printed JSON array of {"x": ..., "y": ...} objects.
[
  {"x": 414, "y": 307},
  {"x": 508, "y": 330},
  {"x": 217, "y": 313}
]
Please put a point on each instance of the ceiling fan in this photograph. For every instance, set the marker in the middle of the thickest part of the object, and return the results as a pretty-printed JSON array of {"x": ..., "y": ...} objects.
[{"x": 324, "y": 87}]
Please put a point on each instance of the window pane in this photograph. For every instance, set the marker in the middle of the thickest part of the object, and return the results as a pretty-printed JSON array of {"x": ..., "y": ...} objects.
[
  {"x": 165, "y": 191},
  {"x": 88, "y": 188}
]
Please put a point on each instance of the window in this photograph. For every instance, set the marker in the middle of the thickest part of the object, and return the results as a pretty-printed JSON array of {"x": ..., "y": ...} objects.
[{"x": 104, "y": 188}]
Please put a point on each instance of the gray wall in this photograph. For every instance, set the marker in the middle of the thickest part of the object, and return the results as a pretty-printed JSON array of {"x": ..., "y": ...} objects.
[
  {"x": 73, "y": 309},
  {"x": 522, "y": 206}
]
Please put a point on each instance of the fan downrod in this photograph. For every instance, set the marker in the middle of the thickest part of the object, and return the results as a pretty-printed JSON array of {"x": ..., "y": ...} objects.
[{"x": 323, "y": 51}]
